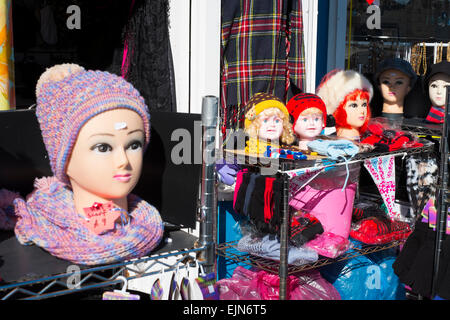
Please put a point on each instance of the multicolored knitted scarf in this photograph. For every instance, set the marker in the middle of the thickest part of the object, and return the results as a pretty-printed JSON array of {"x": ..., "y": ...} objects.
[{"x": 48, "y": 219}]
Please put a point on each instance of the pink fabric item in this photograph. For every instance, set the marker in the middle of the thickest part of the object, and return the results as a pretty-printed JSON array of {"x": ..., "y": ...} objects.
[
  {"x": 329, "y": 245},
  {"x": 258, "y": 284},
  {"x": 332, "y": 207}
]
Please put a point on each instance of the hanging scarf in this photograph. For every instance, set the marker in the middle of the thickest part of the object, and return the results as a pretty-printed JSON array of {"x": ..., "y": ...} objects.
[
  {"x": 48, "y": 219},
  {"x": 436, "y": 114},
  {"x": 382, "y": 170}
]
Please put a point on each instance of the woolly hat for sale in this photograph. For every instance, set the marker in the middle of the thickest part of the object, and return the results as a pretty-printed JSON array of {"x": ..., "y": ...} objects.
[
  {"x": 260, "y": 102},
  {"x": 68, "y": 96},
  {"x": 337, "y": 84},
  {"x": 302, "y": 101}
]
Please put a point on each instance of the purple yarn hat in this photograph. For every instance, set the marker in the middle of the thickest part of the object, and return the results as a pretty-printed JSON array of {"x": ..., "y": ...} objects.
[{"x": 68, "y": 96}]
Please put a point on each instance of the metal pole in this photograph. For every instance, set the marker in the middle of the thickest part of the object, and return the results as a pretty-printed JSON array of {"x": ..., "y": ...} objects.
[
  {"x": 284, "y": 238},
  {"x": 441, "y": 196},
  {"x": 208, "y": 194}
]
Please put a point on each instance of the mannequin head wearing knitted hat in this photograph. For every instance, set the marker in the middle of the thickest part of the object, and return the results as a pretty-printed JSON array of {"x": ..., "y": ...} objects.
[
  {"x": 95, "y": 128},
  {"x": 347, "y": 95},
  {"x": 267, "y": 120},
  {"x": 395, "y": 78},
  {"x": 436, "y": 80},
  {"x": 310, "y": 116}
]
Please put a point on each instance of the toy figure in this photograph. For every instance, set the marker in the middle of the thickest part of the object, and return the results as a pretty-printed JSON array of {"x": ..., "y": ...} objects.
[
  {"x": 395, "y": 78},
  {"x": 436, "y": 81},
  {"x": 347, "y": 95},
  {"x": 310, "y": 117},
  {"x": 266, "y": 123},
  {"x": 95, "y": 127}
]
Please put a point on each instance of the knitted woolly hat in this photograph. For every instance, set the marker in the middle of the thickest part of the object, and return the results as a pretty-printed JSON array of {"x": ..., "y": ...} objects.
[
  {"x": 441, "y": 67},
  {"x": 260, "y": 102},
  {"x": 68, "y": 96},
  {"x": 337, "y": 84},
  {"x": 396, "y": 64},
  {"x": 302, "y": 101}
]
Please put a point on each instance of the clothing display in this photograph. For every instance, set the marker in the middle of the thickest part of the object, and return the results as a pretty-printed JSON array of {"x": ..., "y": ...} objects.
[
  {"x": 269, "y": 247},
  {"x": 308, "y": 196},
  {"x": 276, "y": 63},
  {"x": 67, "y": 235}
]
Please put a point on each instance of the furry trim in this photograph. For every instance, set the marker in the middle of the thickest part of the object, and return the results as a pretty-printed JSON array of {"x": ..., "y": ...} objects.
[{"x": 337, "y": 84}]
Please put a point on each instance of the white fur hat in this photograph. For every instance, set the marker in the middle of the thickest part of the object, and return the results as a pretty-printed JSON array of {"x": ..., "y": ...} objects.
[{"x": 337, "y": 84}]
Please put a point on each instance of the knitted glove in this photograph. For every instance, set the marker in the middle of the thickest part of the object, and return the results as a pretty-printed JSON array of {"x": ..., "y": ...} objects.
[{"x": 226, "y": 172}]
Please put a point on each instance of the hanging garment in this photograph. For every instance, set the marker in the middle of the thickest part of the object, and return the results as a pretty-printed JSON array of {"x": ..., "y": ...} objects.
[
  {"x": 382, "y": 170},
  {"x": 147, "y": 54},
  {"x": 421, "y": 181},
  {"x": 262, "y": 50}
]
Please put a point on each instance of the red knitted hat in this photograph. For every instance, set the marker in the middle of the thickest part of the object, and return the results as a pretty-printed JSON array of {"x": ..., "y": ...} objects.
[{"x": 302, "y": 101}]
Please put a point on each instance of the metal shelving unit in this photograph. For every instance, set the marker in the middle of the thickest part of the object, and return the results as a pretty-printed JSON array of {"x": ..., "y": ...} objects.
[
  {"x": 89, "y": 278},
  {"x": 229, "y": 251}
]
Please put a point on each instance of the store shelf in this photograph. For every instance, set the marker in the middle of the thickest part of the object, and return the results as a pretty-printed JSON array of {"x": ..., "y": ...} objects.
[
  {"x": 288, "y": 164},
  {"x": 24, "y": 285},
  {"x": 229, "y": 251}
]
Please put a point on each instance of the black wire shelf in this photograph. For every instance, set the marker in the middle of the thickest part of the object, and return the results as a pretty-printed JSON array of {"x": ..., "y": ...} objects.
[{"x": 229, "y": 251}]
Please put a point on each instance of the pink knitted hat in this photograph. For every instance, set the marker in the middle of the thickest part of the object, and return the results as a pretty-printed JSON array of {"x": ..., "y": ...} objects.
[{"x": 68, "y": 96}]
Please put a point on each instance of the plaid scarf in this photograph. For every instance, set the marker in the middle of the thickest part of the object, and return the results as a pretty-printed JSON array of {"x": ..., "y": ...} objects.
[
  {"x": 262, "y": 51},
  {"x": 48, "y": 219}
]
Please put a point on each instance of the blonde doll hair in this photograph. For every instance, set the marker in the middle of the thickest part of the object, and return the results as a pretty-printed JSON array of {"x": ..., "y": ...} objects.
[{"x": 287, "y": 135}]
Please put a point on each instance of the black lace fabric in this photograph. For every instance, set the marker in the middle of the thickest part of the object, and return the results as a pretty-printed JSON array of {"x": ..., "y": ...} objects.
[{"x": 148, "y": 60}]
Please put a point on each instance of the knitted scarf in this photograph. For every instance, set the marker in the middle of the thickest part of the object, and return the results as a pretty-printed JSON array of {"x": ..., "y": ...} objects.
[{"x": 48, "y": 219}]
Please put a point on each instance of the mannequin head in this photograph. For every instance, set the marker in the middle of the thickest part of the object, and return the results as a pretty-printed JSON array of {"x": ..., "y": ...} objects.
[
  {"x": 309, "y": 114},
  {"x": 106, "y": 160},
  {"x": 353, "y": 114},
  {"x": 95, "y": 126},
  {"x": 394, "y": 86},
  {"x": 347, "y": 95},
  {"x": 436, "y": 88},
  {"x": 395, "y": 78},
  {"x": 267, "y": 119},
  {"x": 435, "y": 81}
]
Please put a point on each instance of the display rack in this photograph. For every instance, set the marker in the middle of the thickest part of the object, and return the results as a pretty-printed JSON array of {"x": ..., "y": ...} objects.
[
  {"x": 89, "y": 278},
  {"x": 30, "y": 273},
  {"x": 283, "y": 166},
  {"x": 442, "y": 203}
]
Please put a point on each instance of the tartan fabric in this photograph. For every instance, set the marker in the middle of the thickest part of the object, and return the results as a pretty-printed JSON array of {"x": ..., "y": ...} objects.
[{"x": 262, "y": 51}]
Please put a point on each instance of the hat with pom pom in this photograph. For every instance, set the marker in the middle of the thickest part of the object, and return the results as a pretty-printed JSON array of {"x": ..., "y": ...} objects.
[{"x": 68, "y": 96}]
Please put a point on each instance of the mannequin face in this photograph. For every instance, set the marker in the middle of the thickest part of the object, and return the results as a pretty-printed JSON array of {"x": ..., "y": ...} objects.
[
  {"x": 436, "y": 88},
  {"x": 106, "y": 160},
  {"x": 271, "y": 124},
  {"x": 309, "y": 125},
  {"x": 356, "y": 112},
  {"x": 394, "y": 86}
]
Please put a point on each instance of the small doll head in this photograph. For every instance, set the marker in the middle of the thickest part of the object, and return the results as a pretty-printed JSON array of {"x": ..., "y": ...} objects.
[
  {"x": 395, "y": 78},
  {"x": 267, "y": 118},
  {"x": 309, "y": 114},
  {"x": 347, "y": 95},
  {"x": 436, "y": 81},
  {"x": 95, "y": 127}
]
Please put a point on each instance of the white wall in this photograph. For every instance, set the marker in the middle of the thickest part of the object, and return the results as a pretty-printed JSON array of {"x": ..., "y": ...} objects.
[
  {"x": 310, "y": 14},
  {"x": 195, "y": 39}
]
